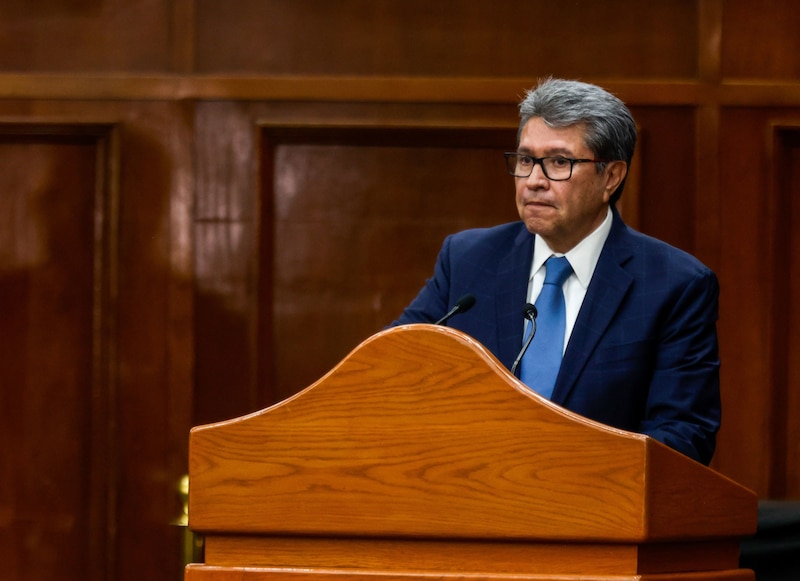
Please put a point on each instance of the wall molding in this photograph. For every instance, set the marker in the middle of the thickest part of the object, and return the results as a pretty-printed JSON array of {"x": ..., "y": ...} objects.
[{"x": 381, "y": 89}]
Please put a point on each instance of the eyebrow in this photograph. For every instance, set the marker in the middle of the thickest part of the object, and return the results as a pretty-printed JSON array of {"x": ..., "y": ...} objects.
[{"x": 548, "y": 152}]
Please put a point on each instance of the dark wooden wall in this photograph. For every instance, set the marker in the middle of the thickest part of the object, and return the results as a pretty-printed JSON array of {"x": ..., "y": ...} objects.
[{"x": 205, "y": 204}]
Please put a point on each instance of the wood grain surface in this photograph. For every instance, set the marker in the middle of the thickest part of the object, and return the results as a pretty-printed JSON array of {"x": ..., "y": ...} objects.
[{"x": 420, "y": 432}]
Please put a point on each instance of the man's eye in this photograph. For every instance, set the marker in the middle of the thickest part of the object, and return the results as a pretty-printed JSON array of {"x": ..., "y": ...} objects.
[
  {"x": 559, "y": 162},
  {"x": 525, "y": 160}
]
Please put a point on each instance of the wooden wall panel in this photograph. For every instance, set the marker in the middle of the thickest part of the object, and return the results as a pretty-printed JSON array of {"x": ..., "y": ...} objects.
[
  {"x": 784, "y": 168},
  {"x": 88, "y": 36},
  {"x": 755, "y": 299},
  {"x": 667, "y": 154},
  {"x": 448, "y": 38},
  {"x": 155, "y": 330},
  {"x": 760, "y": 40},
  {"x": 135, "y": 407},
  {"x": 357, "y": 226},
  {"x": 788, "y": 403},
  {"x": 236, "y": 239},
  {"x": 57, "y": 403},
  {"x": 744, "y": 332},
  {"x": 225, "y": 257}
]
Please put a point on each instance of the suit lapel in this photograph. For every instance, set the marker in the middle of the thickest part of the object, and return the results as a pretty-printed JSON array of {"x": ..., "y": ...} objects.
[
  {"x": 609, "y": 286},
  {"x": 513, "y": 271}
]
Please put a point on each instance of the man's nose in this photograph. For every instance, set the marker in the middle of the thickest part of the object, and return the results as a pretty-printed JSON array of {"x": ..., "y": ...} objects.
[{"x": 537, "y": 176}]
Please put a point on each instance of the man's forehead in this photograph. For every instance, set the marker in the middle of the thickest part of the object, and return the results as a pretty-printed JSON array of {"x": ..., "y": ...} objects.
[{"x": 538, "y": 137}]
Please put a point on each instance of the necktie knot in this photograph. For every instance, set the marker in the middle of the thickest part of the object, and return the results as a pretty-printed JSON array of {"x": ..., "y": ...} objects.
[{"x": 557, "y": 270}]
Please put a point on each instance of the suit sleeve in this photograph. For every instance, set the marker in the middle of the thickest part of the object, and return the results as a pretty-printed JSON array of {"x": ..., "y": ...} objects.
[{"x": 683, "y": 403}]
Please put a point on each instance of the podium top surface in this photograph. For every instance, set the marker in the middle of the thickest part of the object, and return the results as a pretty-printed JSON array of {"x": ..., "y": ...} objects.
[{"x": 421, "y": 433}]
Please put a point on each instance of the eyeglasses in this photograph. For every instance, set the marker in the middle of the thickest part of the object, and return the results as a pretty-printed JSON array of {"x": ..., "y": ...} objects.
[{"x": 557, "y": 168}]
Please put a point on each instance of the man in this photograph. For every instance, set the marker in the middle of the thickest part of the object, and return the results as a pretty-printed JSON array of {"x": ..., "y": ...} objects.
[{"x": 638, "y": 317}]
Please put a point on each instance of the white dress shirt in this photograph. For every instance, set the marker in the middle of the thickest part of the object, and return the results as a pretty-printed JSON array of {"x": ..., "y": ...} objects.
[{"x": 583, "y": 259}]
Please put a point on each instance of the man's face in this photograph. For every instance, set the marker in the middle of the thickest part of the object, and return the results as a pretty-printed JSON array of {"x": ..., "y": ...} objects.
[{"x": 563, "y": 212}]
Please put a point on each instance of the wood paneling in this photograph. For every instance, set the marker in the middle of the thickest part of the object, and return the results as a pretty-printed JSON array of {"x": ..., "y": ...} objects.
[
  {"x": 447, "y": 38},
  {"x": 785, "y": 367},
  {"x": 355, "y": 231},
  {"x": 277, "y": 167},
  {"x": 760, "y": 40},
  {"x": 155, "y": 332},
  {"x": 756, "y": 219},
  {"x": 86, "y": 36},
  {"x": 58, "y": 411},
  {"x": 225, "y": 257},
  {"x": 100, "y": 346},
  {"x": 236, "y": 223},
  {"x": 667, "y": 159},
  {"x": 791, "y": 404}
]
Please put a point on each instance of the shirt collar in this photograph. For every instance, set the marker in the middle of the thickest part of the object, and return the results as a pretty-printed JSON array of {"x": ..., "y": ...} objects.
[{"x": 583, "y": 257}]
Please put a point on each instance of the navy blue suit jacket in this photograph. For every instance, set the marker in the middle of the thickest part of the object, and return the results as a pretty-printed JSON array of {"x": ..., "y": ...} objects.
[{"x": 643, "y": 353}]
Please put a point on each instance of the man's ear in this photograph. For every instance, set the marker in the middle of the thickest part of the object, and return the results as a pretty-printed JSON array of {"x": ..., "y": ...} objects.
[{"x": 615, "y": 172}]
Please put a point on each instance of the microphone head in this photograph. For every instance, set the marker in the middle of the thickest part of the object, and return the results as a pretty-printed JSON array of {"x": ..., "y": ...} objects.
[
  {"x": 465, "y": 303},
  {"x": 462, "y": 305},
  {"x": 529, "y": 311}
]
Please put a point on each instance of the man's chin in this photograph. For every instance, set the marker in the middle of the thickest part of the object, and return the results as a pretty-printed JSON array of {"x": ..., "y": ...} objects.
[{"x": 537, "y": 226}]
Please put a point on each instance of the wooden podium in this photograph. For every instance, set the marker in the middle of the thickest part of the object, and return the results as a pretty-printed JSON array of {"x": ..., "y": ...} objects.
[{"x": 420, "y": 457}]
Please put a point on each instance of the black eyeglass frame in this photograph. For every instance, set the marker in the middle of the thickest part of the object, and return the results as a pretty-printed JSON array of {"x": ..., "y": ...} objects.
[{"x": 540, "y": 161}]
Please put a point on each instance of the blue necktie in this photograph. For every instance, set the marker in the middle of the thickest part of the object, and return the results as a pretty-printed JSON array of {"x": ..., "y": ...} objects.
[{"x": 539, "y": 366}]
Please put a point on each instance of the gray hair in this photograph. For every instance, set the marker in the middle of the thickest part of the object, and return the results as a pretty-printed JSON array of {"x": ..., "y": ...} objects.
[{"x": 610, "y": 128}]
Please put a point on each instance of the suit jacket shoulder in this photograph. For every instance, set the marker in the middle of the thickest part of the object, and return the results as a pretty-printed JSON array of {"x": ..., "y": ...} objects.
[
  {"x": 492, "y": 264},
  {"x": 643, "y": 352}
]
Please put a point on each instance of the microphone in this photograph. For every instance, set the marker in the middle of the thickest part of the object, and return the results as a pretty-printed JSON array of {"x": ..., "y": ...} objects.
[
  {"x": 462, "y": 306},
  {"x": 529, "y": 312}
]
